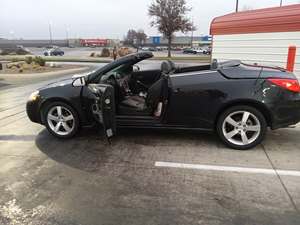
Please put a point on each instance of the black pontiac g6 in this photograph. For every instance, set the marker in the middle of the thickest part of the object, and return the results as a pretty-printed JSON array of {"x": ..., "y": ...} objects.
[{"x": 237, "y": 100}]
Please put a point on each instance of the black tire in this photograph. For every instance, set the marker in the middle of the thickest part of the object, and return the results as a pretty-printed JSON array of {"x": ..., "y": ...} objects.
[
  {"x": 76, "y": 123},
  {"x": 236, "y": 109}
]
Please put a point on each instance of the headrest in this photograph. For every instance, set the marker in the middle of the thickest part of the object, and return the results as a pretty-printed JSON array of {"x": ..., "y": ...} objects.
[
  {"x": 172, "y": 64},
  {"x": 167, "y": 67},
  {"x": 214, "y": 64}
]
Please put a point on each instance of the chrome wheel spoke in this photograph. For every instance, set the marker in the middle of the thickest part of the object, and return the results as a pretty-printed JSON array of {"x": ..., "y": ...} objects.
[
  {"x": 231, "y": 133},
  {"x": 253, "y": 128},
  {"x": 245, "y": 117},
  {"x": 52, "y": 117},
  {"x": 231, "y": 121},
  {"x": 58, "y": 108},
  {"x": 66, "y": 126},
  {"x": 245, "y": 139},
  {"x": 57, "y": 126},
  {"x": 69, "y": 117}
]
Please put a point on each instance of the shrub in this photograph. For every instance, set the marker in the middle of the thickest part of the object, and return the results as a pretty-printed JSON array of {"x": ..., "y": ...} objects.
[
  {"x": 124, "y": 51},
  {"x": 15, "y": 60},
  {"x": 28, "y": 60},
  {"x": 39, "y": 60},
  {"x": 105, "y": 52}
]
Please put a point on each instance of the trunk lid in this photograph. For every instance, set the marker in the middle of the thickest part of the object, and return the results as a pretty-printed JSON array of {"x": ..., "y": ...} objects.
[{"x": 238, "y": 70}]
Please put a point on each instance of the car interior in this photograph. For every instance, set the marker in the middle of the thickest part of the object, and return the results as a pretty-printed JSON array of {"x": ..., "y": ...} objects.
[{"x": 143, "y": 93}]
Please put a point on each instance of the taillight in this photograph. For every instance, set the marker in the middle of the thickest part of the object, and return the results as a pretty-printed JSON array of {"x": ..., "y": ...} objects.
[{"x": 288, "y": 84}]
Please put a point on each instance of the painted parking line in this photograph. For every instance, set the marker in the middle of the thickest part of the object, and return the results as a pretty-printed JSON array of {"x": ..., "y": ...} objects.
[{"x": 295, "y": 173}]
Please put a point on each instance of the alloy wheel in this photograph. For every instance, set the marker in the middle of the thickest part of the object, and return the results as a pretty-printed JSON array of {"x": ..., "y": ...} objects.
[
  {"x": 60, "y": 120},
  {"x": 241, "y": 128}
]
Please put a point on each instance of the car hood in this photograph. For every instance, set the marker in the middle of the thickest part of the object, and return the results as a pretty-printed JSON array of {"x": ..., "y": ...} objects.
[
  {"x": 66, "y": 81},
  {"x": 59, "y": 83}
]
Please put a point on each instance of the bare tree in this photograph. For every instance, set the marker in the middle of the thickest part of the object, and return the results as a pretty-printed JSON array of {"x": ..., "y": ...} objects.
[
  {"x": 140, "y": 37},
  {"x": 130, "y": 37},
  {"x": 135, "y": 38},
  {"x": 169, "y": 16}
]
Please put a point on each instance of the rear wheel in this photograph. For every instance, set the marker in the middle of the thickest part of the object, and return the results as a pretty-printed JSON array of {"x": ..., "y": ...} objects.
[
  {"x": 241, "y": 127},
  {"x": 61, "y": 120}
]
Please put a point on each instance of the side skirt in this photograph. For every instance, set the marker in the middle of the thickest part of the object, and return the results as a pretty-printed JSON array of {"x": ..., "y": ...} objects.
[{"x": 149, "y": 122}]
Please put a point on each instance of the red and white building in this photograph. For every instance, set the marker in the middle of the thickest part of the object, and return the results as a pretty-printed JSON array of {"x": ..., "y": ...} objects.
[
  {"x": 258, "y": 36},
  {"x": 94, "y": 42}
]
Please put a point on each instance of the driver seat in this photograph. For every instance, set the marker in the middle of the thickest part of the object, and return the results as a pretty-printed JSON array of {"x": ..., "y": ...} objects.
[{"x": 133, "y": 105}]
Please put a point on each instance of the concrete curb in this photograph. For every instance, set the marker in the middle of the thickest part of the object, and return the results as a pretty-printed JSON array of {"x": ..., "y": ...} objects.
[{"x": 51, "y": 73}]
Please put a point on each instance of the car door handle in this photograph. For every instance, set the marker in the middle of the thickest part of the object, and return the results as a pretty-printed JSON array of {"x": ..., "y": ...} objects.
[{"x": 177, "y": 90}]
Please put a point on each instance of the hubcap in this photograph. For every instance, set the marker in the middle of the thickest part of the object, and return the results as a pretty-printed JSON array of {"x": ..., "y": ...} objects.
[
  {"x": 241, "y": 128},
  {"x": 60, "y": 120}
]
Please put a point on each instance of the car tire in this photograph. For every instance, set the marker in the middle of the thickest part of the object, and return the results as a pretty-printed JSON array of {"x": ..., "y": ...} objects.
[
  {"x": 60, "y": 119},
  {"x": 241, "y": 127}
]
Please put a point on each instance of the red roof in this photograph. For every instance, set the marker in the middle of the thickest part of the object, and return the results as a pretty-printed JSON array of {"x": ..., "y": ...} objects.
[{"x": 275, "y": 19}]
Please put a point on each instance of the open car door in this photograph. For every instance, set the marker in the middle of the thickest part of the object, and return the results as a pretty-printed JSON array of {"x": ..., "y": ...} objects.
[{"x": 104, "y": 107}]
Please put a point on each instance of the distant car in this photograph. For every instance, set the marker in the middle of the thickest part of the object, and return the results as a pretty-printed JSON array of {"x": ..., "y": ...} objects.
[
  {"x": 207, "y": 51},
  {"x": 189, "y": 51},
  {"x": 176, "y": 49},
  {"x": 145, "y": 49},
  {"x": 54, "y": 52},
  {"x": 193, "y": 51},
  {"x": 152, "y": 49}
]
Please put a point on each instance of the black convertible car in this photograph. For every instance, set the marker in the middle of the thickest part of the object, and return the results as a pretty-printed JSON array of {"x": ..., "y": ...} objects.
[{"x": 236, "y": 100}]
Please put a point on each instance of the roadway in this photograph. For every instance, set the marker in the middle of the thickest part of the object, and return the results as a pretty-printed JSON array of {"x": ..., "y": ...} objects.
[{"x": 142, "y": 177}]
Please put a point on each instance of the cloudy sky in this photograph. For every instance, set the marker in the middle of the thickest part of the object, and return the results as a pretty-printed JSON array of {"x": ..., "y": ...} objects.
[{"x": 30, "y": 19}]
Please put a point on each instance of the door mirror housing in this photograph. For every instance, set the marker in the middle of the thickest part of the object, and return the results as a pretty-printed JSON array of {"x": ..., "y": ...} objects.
[{"x": 79, "y": 82}]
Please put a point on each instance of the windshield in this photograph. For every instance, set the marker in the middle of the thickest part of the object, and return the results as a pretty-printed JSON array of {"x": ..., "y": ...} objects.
[{"x": 126, "y": 60}]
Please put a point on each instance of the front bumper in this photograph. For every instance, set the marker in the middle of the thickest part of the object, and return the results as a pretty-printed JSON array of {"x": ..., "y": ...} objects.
[{"x": 32, "y": 109}]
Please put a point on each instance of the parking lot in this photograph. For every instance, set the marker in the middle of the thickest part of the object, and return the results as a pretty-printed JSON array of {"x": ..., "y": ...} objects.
[
  {"x": 86, "y": 51},
  {"x": 142, "y": 176}
]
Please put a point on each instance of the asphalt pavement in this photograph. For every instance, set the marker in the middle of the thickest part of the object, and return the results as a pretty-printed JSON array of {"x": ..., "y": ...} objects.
[{"x": 142, "y": 177}]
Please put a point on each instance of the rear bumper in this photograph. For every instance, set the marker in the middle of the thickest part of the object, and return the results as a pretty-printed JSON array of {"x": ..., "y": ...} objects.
[
  {"x": 285, "y": 113},
  {"x": 32, "y": 110}
]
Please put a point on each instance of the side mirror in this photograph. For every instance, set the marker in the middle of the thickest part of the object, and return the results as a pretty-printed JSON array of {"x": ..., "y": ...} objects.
[{"x": 79, "y": 82}]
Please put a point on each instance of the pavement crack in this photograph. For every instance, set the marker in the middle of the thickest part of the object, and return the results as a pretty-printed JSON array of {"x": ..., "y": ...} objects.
[
  {"x": 3, "y": 118},
  {"x": 280, "y": 180},
  {"x": 15, "y": 106}
]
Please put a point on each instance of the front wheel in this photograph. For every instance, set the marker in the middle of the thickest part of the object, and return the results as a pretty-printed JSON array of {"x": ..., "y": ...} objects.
[
  {"x": 241, "y": 127},
  {"x": 61, "y": 120}
]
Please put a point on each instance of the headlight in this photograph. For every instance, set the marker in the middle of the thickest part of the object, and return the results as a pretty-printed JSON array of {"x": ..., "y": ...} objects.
[{"x": 34, "y": 96}]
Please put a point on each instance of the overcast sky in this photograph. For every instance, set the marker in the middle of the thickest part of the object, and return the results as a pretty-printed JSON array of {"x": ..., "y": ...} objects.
[{"x": 29, "y": 19}]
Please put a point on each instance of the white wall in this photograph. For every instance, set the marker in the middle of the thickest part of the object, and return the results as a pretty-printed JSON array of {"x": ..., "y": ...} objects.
[{"x": 263, "y": 48}]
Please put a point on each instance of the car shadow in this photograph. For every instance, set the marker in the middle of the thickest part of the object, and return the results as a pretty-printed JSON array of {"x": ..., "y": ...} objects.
[{"x": 90, "y": 151}]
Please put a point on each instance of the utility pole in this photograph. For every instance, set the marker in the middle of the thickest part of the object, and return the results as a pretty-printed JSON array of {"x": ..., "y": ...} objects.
[
  {"x": 67, "y": 36},
  {"x": 192, "y": 36},
  {"x": 50, "y": 33},
  {"x": 280, "y": 2},
  {"x": 237, "y": 6}
]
